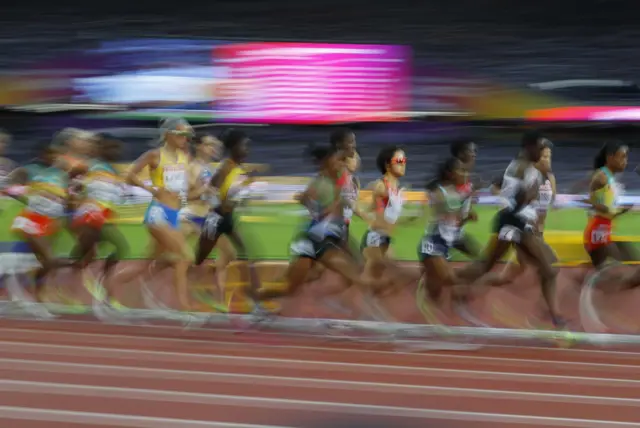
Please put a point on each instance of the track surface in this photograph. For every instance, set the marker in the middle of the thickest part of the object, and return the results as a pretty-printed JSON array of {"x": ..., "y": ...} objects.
[{"x": 86, "y": 374}]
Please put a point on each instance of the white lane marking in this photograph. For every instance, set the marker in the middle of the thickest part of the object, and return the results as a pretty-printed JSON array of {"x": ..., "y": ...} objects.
[
  {"x": 180, "y": 330},
  {"x": 277, "y": 404},
  {"x": 264, "y": 362},
  {"x": 305, "y": 382},
  {"x": 114, "y": 420},
  {"x": 118, "y": 339}
]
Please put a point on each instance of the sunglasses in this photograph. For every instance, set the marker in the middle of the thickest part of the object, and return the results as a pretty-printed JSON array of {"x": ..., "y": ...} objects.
[
  {"x": 181, "y": 133},
  {"x": 399, "y": 161}
]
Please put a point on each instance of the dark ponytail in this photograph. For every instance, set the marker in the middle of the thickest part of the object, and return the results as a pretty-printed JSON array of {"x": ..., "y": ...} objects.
[{"x": 609, "y": 148}]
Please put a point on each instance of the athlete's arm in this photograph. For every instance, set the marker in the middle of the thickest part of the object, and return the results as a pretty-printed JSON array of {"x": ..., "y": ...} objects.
[
  {"x": 598, "y": 181},
  {"x": 196, "y": 187},
  {"x": 554, "y": 192},
  {"x": 149, "y": 159},
  {"x": 378, "y": 194}
]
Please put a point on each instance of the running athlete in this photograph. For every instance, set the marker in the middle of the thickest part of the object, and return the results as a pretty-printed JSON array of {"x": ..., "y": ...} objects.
[
  {"x": 103, "y": 190},
  {"x": 344, "y": 140},
  {"x": 201, "y": 197},
  {"x": 321, "y": 239},
  {"x": 45, "y": 198},
  {"x": 546, "y": 199},
  {"x": 604, "y": 196},
  {"x": 514, "y": 226},
  {"x": 233, "y": 186},
  {"x": 448, "y": 214},
  {"x": 168, "y": 167},
  {"x": 466, "y": 151},
  {"x": 387, "y": 201}
]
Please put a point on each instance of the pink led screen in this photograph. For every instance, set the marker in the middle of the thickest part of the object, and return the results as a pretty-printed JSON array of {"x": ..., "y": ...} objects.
[{"x": 312, "y": 83}]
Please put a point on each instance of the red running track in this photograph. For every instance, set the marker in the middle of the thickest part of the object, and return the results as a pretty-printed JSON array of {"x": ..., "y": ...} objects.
[{"x": 59, "y": 374}]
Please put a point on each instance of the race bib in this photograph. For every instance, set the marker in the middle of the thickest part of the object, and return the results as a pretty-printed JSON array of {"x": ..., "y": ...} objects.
[
  {"x": 175, "y": 178},
  {"x": 45, "y": 206}
]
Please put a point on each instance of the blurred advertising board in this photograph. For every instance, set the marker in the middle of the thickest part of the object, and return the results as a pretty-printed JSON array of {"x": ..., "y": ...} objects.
[
  {"x": 175, "y": 73},
  {"x": 586, "y": 113},
  {"x": 313, "y": 83}
]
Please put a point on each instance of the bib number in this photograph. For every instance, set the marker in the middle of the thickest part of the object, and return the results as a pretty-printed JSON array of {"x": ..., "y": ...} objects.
[
  {"x": 509, "y": 234},
  {"x": 600, "y": 236},
  {"x": 303, "y": 247},
  {"x": 26, "y": 225},
  {"x": 427, "y": 246},
  {"x": 41, "y": 205},
  {"x": 373, "y": 239},
  {"x": 175, "y": 180}
]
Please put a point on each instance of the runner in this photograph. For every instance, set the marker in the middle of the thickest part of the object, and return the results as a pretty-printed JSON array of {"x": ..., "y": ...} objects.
[
  {"x": 45, "y": 197},
  {"x": 387, "y": 201},
  {"x": 604, "y": 196},
  {"x": 514, "y": 226},
  {"x": 201, "y": 197},
  {"x": 466, "y": 152},
  {"x": 546, "y": 199},
  {"x": 168, "y": 166},
  {"x": 344, "y": 140},
  {"x": 103, "y": 190},
  {"x": 233, "y": 183},
  {"x": 321, "y": 239},
  {"x": 448, "y": 204}
]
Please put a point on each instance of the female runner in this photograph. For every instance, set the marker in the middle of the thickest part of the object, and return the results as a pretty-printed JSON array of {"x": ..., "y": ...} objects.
[
  {"x": 44, "y": 214},
  {"x": 603, "y": 199},
  {"x": 515, "y": 224},
  {"x": 201, "y": 197},
  {"x": 387, "y": 201},
  {"x": 466, "y": 152},
  {"x": 232, "y": 181},
  {"x": 321, "y": 239},
  {"x": 545, "y": 200},
  {"x": 168, "y": 172},
  {"x": 103, "y": 189},
  {"x": 448, "y": 206}
]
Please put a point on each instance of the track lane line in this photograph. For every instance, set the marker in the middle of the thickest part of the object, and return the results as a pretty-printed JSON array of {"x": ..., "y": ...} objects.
[
  {"x": 77, "y": 352},
  {"x": 441, "y": 358},
  {"x": 311, "y": 406},
  {"x": 304, "y": 382}
]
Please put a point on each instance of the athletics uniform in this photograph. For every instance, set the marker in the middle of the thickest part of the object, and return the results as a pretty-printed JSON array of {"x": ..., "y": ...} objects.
[
  {"x": 391, "y": 207},
  {"x": 516, "y": 218},
  {"x": 349, "y": 191},
  {"x": 322, "y": 232},
  {"x": 234, "y": 189},
  {"x": 597, "y": 234},
  {"x": 196, "y": 211},
  {"x": 171, "y": 174},
  {"x": 441, "y": 236},
  {"x": 103, "y": 191},
  {"x": 46, "y": 201}
]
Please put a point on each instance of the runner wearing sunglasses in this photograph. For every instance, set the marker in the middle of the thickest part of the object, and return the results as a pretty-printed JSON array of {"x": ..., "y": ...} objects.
[{"x": 387, "y": 201}]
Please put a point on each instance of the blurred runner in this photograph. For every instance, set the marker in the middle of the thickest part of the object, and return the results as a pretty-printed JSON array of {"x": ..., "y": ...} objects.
[
  {"x": 45, "y": 195},
  {"x": 321, "y": 239},
  {"x": 515, "y": 225},
  {"x": 200, "y": 199},
  {"x": 545, "y": 200},
  {"x": 234, "y": 189},
  {"x": 168, "y": 166},
  {"x": 387, "y": 202},
  {"x": 605, "y": 207},
  {"x": 466, "y": 152},
  {"x": 344, "y": 140},
  {"x": 103, "y": 190},
  {"x": 447, "y": 196}
]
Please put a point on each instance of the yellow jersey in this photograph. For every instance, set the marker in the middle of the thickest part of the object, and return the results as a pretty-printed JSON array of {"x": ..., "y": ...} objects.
[
  {"x": 171, "y": 172},
  {"x": 236, "y": 177}
]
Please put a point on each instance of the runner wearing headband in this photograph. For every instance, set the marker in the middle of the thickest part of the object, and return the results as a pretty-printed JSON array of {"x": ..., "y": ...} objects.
[{"x": 168, "y": 166}]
